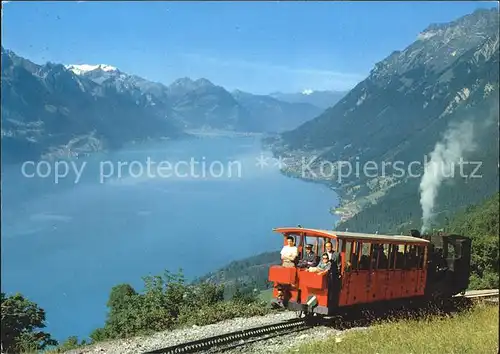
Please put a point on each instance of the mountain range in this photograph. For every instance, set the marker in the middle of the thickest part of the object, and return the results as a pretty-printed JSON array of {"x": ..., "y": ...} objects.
[
  {"x": 55, "y": 110},
  {"x": 411, "y": 101}
]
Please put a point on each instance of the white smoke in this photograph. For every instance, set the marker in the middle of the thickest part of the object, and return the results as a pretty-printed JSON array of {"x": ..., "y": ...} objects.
[{"x": 443, "y": 161}]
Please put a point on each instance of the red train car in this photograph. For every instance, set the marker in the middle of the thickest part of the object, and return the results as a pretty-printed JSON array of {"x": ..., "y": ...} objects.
[{"x": 371, "y": 268}]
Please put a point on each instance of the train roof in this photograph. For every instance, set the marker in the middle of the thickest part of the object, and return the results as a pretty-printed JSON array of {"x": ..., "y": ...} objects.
[{"x": 352, "y": 235}]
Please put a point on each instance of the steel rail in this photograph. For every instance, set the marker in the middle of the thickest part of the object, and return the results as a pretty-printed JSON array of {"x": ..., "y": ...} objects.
[
  {"x": 228, "y": 339},
  {"x": 478, "y": 294}
]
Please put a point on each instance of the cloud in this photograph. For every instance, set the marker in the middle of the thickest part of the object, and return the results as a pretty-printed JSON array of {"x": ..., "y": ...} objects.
[{"x": 298, "y": 77}]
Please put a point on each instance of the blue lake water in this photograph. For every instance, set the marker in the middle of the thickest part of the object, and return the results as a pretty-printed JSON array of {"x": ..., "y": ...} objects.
[{"x": 65, "y": 244}]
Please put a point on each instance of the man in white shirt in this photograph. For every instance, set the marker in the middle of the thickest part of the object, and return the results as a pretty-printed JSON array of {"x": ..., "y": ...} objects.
[
  {"x": 289, "y": 253},
  {"x": 329, "y": 249}
]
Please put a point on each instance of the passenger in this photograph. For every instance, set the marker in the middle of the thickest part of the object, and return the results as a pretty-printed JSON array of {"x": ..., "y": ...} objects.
[
  {"x": 310, "y": 259},
  {"x": 382, "y": 258},
  {"x": 400, "y": 259},
  {"x": 289, "y": 253},
  {"x": 414, "y": 258},
  {"x": 323, "y": 267},
  {"x": 329, "y": 249},
  {"x": 333, "y": 256},
  {"x": 364, "y": 264}
]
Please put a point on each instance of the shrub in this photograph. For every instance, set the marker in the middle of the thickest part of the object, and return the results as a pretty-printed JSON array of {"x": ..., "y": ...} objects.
[
  {"x": 21, "y": 323},
  {"x": 168, "y": 302}
]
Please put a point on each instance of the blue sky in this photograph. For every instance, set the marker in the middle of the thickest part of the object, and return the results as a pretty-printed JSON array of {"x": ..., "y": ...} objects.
[{"x": 258, "y": 47}]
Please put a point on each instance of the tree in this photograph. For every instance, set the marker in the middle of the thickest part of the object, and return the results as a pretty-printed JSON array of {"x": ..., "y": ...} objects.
[
  {"x": 21, "y": 321},
  {"x": 120, "y": 296}
]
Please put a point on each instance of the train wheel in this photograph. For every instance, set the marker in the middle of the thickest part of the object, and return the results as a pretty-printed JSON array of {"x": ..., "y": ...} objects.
[{"x": 299, "y": 314}]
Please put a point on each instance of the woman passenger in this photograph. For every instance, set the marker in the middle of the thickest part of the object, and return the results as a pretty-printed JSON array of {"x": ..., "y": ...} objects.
[
  {"x": 323, "y": 266},
  {"x": 289, "y": 253}
]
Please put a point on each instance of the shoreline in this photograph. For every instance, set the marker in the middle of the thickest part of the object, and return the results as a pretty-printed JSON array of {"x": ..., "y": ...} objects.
[
  {"x": 87, "y": 145},
  {"x": 348, "y": 203},
  {"x": 346, "y": 208}
]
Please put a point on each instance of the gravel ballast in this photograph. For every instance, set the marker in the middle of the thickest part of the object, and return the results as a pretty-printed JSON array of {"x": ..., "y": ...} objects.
[
  {"x": 168, "y": 338},
  {"x": 281, "y": 344}
]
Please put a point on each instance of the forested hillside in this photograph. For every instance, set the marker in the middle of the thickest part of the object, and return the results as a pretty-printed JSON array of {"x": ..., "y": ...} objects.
[
  {"x": 246, "y": 274},
  {"x": 481, "y": 222}
]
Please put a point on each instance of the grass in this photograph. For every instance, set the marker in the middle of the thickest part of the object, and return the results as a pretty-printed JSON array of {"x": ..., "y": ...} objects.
[
  {"x": 474, "y": 331},
  {"x": 266, "y": 295}
]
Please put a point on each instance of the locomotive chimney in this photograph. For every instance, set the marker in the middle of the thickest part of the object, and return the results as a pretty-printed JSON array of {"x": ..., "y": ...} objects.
[{"x": 415, "y": 233}]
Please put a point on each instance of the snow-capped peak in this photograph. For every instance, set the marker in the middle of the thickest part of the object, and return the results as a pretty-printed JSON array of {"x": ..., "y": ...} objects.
[
  {"x": 84, "y": 68},
  {"x": 307, "y": 92}
]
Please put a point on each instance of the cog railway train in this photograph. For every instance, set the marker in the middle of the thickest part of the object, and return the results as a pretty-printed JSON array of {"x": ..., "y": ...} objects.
[{"x": 371, "y": 270}]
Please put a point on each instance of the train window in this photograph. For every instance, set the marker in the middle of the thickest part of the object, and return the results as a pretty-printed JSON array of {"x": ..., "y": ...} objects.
[
  {"x": 380, "y": 252},
  {"x": 337, "y": 245},
  {"x": 453, "y": 250},
  {"x": 348, "y": 254},
  {"x": 365, "y": 256},
  {"x": 319, "y": 246},
  {"x": 409, "y": 258},
  {"x": 399, "y": 253},
  {"x": 304, "y": 242},
  {"x": 413, "y": 257},
  {"x": 405, "y": 256},
  {"x": 419, "y": 257},
  {"x": 392, "y": 256}
]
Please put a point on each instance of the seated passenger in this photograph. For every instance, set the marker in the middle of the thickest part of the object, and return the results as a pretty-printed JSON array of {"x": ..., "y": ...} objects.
[
  {"x": 354, "y": 261},
  {"x": 289, "y": 253},
  {"x": 364, "y": 264},
  {"x": 323, "y": 267},
  {"x": 400, "y": 260},
  {"x": 310, "y": 259},
  {"x": 381, "y": 256}
]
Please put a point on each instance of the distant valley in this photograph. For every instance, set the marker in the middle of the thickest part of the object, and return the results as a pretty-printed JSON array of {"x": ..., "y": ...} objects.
[
  {"x": 56, "y": 110},
  {"x": 322, "y": 99}
]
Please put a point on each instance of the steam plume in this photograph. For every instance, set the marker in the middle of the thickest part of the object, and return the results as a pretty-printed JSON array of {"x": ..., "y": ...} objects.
[{"x": 443, "y": 159}]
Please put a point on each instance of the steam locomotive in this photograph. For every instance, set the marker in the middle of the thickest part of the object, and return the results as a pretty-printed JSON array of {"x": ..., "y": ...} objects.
[{"x": 370, "y": 269}]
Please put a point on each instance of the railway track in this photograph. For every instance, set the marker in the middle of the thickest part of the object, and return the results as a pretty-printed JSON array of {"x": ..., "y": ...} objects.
[
  {"x": 482, "y": 295},
  {"x": 477, "y": 294},
  {"x": 234, "y": 339}
]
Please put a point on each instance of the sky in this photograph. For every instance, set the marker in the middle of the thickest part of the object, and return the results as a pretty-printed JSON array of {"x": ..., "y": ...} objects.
[{"x": 259, "y": 47}]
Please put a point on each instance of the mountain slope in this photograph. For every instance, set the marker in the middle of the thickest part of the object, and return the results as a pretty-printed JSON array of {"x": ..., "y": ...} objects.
[
  {"x": 274, "y": 115},
  {"x": 405, "y": 106},
  {"x": 48, "y": 110},
  {"x": 201, "y": 104}
]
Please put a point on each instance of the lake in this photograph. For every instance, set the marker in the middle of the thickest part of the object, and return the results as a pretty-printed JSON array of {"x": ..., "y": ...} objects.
[{"x": 200, "y": 204}]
